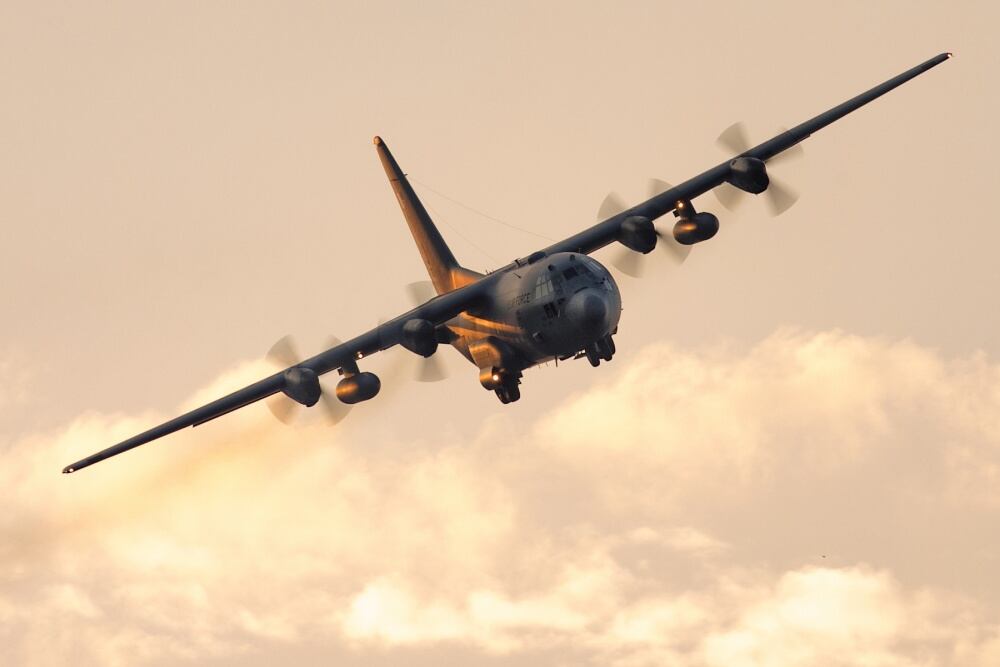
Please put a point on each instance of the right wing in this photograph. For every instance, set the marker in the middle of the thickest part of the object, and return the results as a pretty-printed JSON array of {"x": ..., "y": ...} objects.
[{"x": 437, "y": 311}]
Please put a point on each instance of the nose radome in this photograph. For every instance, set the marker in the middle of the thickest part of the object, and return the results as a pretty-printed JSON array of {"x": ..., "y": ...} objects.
[{"x": 588, "y": 310}]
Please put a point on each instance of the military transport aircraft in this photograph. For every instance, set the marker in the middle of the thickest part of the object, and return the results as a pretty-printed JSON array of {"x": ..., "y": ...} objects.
[{"x": 554, "y": 304}]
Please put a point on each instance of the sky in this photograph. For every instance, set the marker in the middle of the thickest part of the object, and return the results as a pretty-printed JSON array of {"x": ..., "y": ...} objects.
[{"x": 792, "y": 459}]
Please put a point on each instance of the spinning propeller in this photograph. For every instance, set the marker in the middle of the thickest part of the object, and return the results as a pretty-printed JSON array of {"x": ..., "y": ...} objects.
[
  {"x": 429, "y": 369},
  {"x": 634, "y": 263},
  {"x": 284, "y": 354},
  {"x": 421, "y": 369},
  {"x": 779, "y": 196}
]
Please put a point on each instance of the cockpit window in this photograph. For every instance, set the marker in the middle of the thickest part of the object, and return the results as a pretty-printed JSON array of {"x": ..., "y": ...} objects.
[{"x": 543, "y": 286}]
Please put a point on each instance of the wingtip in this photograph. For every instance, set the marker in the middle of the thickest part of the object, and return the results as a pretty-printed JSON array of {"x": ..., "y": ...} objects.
[
  {"x": 68, "y": 469},
  {"x": 949, "y": 54},
  {"x": 377, "y": 140}
]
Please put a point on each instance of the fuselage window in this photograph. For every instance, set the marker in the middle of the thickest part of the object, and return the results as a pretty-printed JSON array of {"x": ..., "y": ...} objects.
[
  {"x": 570, "y": 273},
  {"x": 543, "y": 287}
]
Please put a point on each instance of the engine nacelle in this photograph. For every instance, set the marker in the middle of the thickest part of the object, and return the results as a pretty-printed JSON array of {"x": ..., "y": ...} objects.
[
  {"x": 637, "y": 233},
  {"x": 302, "y": 386},
  {"x": 748, "y": 174},
  {"x": 420, "y": 337},
  {"x": 699, "y": 227},
  {"x": 359, "y": 387}
]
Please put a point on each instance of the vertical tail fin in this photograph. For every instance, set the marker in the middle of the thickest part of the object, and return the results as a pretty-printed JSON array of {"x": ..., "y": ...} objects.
[{"x": 444, "y": 270}]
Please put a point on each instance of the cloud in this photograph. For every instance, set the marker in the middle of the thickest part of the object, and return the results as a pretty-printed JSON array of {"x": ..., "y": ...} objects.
[{"x": 815, "y": 499}]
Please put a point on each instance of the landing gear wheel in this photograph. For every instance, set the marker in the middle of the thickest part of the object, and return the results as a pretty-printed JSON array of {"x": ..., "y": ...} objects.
[
  {"x": 593, "y": 356},
  {"x": 513, "y": 391},
  {"x": 605, "y": 348},
  {"x": 508, "y": 392}
]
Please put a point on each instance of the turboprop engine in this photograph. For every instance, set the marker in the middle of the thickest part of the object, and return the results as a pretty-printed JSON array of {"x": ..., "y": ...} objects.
[
  {"x": 637, "y": 233},
  {"x": 302, "y": 386},
  {"x": 420, "y": 337},
  {"x": 748, "y": 174}
]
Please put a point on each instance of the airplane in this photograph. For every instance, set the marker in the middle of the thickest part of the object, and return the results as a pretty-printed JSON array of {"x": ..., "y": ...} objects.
[{"x": 557, "y": 303}]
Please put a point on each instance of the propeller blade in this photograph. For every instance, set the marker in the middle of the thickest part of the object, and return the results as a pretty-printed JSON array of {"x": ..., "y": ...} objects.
[
  {"x": 734, "y": 139},
  {"x": 730, "y": 197},
  {"x": 796, "y": 152},
  {"x": 612, "y": 205},
  {"x": 780, "y": 197},
  {"x": 677, "y": 251},
  {"x": 655, "y": 186},
  {"x": 284, "y": 353},
  {"x": 629, "y": 262},
  {"x": 426, "y": 369},
  {"x": 334, "y": 409},
  {"x": 430, "y": 369},
  {"x": 420, "y": 292},
  {"x": 633, "y": 263},
  {"x": 284, "y": 409}
]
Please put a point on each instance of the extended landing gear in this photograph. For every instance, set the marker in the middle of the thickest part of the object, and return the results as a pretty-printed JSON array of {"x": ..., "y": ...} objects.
[
  {"x": 603, "y": 349},
  {"x": 508, "y": 392},
  {"x": 503, "y": 382}
]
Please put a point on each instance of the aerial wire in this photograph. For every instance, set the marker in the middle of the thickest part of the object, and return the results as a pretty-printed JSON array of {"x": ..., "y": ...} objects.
[
  {"x": 438, "y": 216},
  {"x": 480, "y": 213}
]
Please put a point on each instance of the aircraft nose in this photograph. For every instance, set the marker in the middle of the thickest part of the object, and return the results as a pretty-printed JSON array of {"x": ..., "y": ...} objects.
[{"x": 588, "y": 310}]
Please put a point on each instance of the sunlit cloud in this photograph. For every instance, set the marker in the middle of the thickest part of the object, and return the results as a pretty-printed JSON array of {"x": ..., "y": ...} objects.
[{"x": 814, "y": 499}]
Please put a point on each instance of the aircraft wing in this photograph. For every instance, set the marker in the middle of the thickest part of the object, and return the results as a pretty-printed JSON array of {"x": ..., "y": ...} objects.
[
  {"x": 606, "y": 232},
  {"x": 437, "y": 311}
]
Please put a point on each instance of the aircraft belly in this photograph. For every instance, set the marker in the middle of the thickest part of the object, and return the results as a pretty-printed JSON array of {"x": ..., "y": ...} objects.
[{"x": 470, "y": 329}]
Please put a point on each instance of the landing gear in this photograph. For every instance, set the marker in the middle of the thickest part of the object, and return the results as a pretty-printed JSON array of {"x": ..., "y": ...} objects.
[
  {"x": 603, "y": 349},
  {"x": 502, "y": 382},
  {"x": 606, "y": 346},
  {"x": 509, "y": 392}
]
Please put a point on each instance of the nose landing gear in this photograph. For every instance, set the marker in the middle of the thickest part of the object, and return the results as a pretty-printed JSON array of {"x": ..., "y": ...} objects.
[{"x": 603, "y": 349}]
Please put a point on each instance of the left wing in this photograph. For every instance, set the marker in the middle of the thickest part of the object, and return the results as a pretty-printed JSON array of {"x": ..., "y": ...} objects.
[
  {"x": 437, "y": 311},
  {"x": 604, "y": 233}
]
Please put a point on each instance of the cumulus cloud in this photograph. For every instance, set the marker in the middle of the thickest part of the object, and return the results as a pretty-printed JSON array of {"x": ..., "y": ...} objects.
[{"x": 815, "y": 499}]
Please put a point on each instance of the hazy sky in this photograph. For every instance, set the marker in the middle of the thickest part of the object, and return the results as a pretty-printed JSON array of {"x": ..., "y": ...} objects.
[{"x": 794, "y": 455}]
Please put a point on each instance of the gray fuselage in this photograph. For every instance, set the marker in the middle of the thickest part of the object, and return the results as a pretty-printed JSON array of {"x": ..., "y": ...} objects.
[{"x": 549, "y": 309}]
